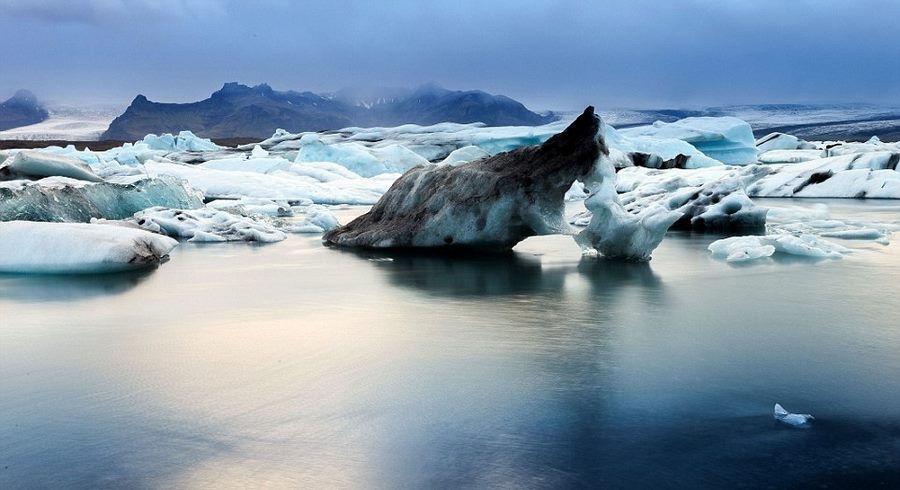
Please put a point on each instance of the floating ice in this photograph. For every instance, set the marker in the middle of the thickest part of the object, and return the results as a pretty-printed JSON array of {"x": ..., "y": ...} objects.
[
  {"x": 794, "y": 419},
  {"x": 781, "y": 141},
  {"x": 615, "y": 232},
  {"x": 250, "y": 205},
  {"x": 790, "y": 156},
  {"x": 492, "y": 203},
  {"x": 745, "y": 248},
  {"x": 361, "y": 160},
  {"x": 78, "y": 248},
  {"x": 465, "y": 154},
  {"x": 726, "y": 139},
  {"x": 228, "y": 184},
  {"x": 206, "y": 225},
  {"x": 37, "y": 164},
  {"x": 184, "y": 141},
  {"x": 64, "y": 199},
  {"x": 311, "y": 219}
]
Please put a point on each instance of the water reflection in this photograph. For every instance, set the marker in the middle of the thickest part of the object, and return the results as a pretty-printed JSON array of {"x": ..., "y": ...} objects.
[
  {"x": 504, "y": 274},
  {"x": 41, "y": 288}
]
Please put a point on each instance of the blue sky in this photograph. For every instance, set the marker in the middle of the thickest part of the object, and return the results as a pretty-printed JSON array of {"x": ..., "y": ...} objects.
[{"x": 549, "y": 54}]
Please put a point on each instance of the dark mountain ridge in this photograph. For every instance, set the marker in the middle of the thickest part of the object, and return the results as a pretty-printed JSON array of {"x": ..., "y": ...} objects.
[
  {"x": 238, "y": 110},
  {"x": 22, "y": 109}
]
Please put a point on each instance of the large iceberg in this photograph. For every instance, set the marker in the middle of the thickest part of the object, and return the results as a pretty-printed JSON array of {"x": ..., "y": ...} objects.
[
  {"x": 183, "y": 141},
  {"x": 65, "y": 199},
  {"x": 78, "y": 248},
  {"x": 37, "y": 164},
  {"x": 492, "y": 203},
  {"x": 726, "y": 139}
]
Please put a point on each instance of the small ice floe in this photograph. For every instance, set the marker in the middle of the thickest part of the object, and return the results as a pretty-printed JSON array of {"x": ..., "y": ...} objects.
[
  {"x": 382, "y": 259},
  {"x": 745, "y": 248},
  {"x": 793, "y": 419}
]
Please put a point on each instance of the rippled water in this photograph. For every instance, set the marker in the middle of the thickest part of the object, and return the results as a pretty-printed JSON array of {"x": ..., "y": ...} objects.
[{"x": 292, "y": 365}]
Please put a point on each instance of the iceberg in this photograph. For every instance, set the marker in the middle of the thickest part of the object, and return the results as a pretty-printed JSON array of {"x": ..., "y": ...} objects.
[
  {"x": 781, "y": 141},
  {"x": 38, "y": 164},
  {"x": 465, "y": 154},
  {"x": 184, "y": 141},
  {"x": 69, "y": 200},
  {"x": 726, "y": 139},
  {"x": 205, "y": 225},
  {"x": 246, "y": 206},
  {"x": 78, "y": 248},
  {"x": 790, "y": 156},
  {"x": 367, "y": 162},
  {"x": 615, "y": 232},
  {"x": 746, "y": 248},
  {"x": 794, "y": 419},
  {"x": 283, "y": 186},
  {"x": 492, "y": 203}
]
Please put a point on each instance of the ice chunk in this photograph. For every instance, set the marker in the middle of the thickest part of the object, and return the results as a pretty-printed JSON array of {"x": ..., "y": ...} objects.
[
  {"x": 206, "y": 225},
  {"x": 726, "y": 139},
  {"x": 655, "y": 152},
  {"x": 353, "y": 156},
  {"x": 855, "y": 234},
  {"x": 311, "y": 219},
  {"x": 257, "y": 164},
  {"x": 258, "y": 152},
  {"x": 78, "y": 248},
  {"x": 185, "y": 141},
  {"x": 64, "y": 199},
  {"x": 246, "y": 206},
  {"x": 613, "y": 231},
  {"x": 742, "y": 248},
  {"x": 790, "y": 156},
  {"x": 794, "y": 419},
  {"x": 37, "y": 164},
  {"x": 465, "y": 154},
  {"x": 219, "y": 184},
  {"x": 781, "y": 141}
]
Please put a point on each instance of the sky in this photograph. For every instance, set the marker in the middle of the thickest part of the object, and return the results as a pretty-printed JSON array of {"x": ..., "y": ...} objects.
[{"x": 548, "y": 54}]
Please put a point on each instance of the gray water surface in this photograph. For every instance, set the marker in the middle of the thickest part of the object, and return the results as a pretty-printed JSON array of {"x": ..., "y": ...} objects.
[{"x": 297, "y": 366}]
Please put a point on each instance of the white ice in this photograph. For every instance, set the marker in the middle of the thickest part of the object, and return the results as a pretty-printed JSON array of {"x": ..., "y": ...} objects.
[
  {"x": 35, "y": 163},
  {"x": 615, "y": 232},
  {"x": 752, "y": 247},
  {"x": 184, "y": 141},
  {"x": 206, "y": 225},
  {"x": 78, "y": 248},
  {"x": 794, "y": 419},
  {"x": 726, "y": 139}
]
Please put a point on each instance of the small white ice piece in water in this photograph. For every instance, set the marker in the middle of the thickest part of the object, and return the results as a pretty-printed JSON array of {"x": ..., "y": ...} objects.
[{"x": 794, "y": 419}]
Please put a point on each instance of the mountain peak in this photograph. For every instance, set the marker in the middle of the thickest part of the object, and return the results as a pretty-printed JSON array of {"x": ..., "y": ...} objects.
[{"x": 21, "y": 109}]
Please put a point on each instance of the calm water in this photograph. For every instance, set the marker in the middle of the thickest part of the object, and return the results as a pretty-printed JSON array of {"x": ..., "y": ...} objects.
[{"x": 292, "y": 365}]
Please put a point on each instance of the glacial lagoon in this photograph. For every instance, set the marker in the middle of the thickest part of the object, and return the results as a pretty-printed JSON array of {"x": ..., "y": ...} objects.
[{"x": 294, "y": 365}]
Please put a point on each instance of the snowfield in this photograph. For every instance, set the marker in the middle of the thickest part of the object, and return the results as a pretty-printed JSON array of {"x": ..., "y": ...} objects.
[{"x": 699, "y": 173}]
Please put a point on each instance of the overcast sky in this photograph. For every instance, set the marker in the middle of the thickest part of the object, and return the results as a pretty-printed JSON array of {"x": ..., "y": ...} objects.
[{"x": 548, "y": 54}]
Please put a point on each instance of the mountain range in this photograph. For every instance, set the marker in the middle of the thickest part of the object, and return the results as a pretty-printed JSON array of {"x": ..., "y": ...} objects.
[
  {"x": 21, "y": 109},
  {"x": 238, "y": 110}
]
